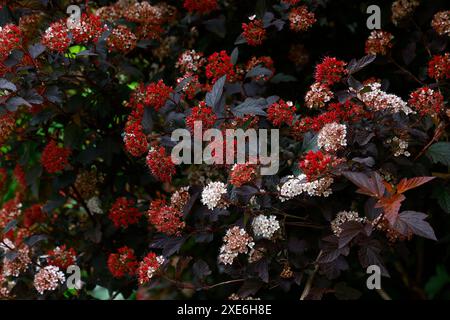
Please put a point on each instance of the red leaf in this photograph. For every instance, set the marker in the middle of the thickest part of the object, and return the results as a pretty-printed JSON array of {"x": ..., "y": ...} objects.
[
  {"x": 388, "y": 187},
  {"x": 407, "y": 184},
  {"x": 391, "y": 207},
  {"x": 372, "y": 186}
]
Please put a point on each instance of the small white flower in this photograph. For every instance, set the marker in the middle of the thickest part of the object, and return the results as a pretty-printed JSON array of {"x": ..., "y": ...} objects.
[
  {"x": 295, "y": 186},
  {"x": 332, "y": 137},
  {"x": 212, "y": 194},
  {"x": 48, "y": 279},
  {"x": 265, "y": 227},
  {"x": 342, "y": 217},
  {"x": 378, "y": 100},
  {"x": 94, "y": 205}
]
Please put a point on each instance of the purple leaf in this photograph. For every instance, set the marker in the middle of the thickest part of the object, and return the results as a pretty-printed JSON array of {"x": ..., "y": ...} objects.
[{"x": 413, "y": 221}]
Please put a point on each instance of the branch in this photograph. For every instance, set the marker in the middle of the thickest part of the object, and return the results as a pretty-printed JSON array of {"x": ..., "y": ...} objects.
[
  {"x": 383, "y": 294},
  {"x": 310, "y": 278},
  {"x": 84, "y": 205}
]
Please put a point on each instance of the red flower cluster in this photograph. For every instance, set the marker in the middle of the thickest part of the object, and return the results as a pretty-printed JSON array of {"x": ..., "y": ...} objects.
[
  {"x": 89, "y": 29},
  {"x": 32, "y": 215},
  {"x": 254, "y": 32},
  {"x": 281, "y": 112},
  {"x": 426, "y": 101},
  {"x": 121, "y": 39},
  {"x": 336, "y": 112},
  {"x": 160, "y": 165},
  {"x": 135, "y": 139},
  {"x": 379, "y": 42},
  {"x": 148, "y": 267},
  {"x": 11, "y": 210},
  {"x": 7, "y": 125},
  {"x": 242, "y": 174},
  {"x": 201, "y": 113},
  {"x": 143, "y": 12},
  {"x": 122, "y": 263},
  {"x": 157, "y": 94},
  {"x": 29, "y": 25},
  {"x": 55, "y": 158},
  {"x": 56, "y": 37},
  {"x": 137, "y": 99},
  {"x": 191, "y": 86},
  {"x": 200, "y": 6},
  {"x": 330, "y": 71},
  {"x": 301, "y": 19},
  {"x": 439, "y": 67},
  {"x": 219, "y": 64},
  {"x": 124, "y": 213},
  {"x": 316, "y": 164},
  {"x": 10, "y": 39},
  {"x": 149, "y": 31},
  {"x": 62, "y": 257},
  {"x": 166, "y": 219}
]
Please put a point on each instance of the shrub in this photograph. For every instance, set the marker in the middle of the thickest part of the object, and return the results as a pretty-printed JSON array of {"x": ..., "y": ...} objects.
[{"x": 87, "y": 112}]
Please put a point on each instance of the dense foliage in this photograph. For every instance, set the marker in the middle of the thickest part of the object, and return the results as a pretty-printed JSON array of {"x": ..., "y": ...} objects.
[{"x": 86, "y": 178}]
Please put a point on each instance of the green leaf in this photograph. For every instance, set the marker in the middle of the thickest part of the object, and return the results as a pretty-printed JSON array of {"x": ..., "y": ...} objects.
[
  {"x": 74, "y": 50},
  {"x": 133, "y": 85},
  {"x": 443, "y": 197},
  {"x": 440, "y": 152},
  {"x": 100, "y": 293},
  {"x": 437, "y": 282}
]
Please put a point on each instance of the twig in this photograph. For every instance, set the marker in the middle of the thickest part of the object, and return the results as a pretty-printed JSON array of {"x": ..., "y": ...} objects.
[
  {"x": 84, "y": 205},
  {"x": 221, "y": 284},
  {"x": 310, "y": 278},
  {"x": 383, "y": 294},
  {"x": 439, "y": 131},
  {"x": 187, "y": 285},
  {"x": 405, "y": 71}
]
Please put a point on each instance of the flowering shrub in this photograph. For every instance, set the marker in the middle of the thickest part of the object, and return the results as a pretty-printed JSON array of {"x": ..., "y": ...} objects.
[{"x": 87, "y": 179}]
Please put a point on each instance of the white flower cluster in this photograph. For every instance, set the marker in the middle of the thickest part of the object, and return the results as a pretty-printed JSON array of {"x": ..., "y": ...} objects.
[
  {"x": 296, "y": 185},
  {"x": 94, "y": 205},
  {"x": 342, "y": 217},
  {"x": 235, "y": 296},
  {"x": 378, "y": 100},
  {"x": 151, "y": 271},
  {"x": 236, "y": 241},
  {"x": 332, "y": 136},
  {"x": 318, "y": 95},
  {"x": 14, "y": 267},
  {"x": 441, "y": 22},
  {"x": 402, "y": 8},
  {"x": 180, "y": 198},
  {"x": 5, "y": 287},
  {"x": 265, "y": 227},
  {"x": 189, "y": 60},
  {"x": 212, "y": 195},
  {"x": 48, "y": 279},
  {"x": 400, "y": 146}
]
